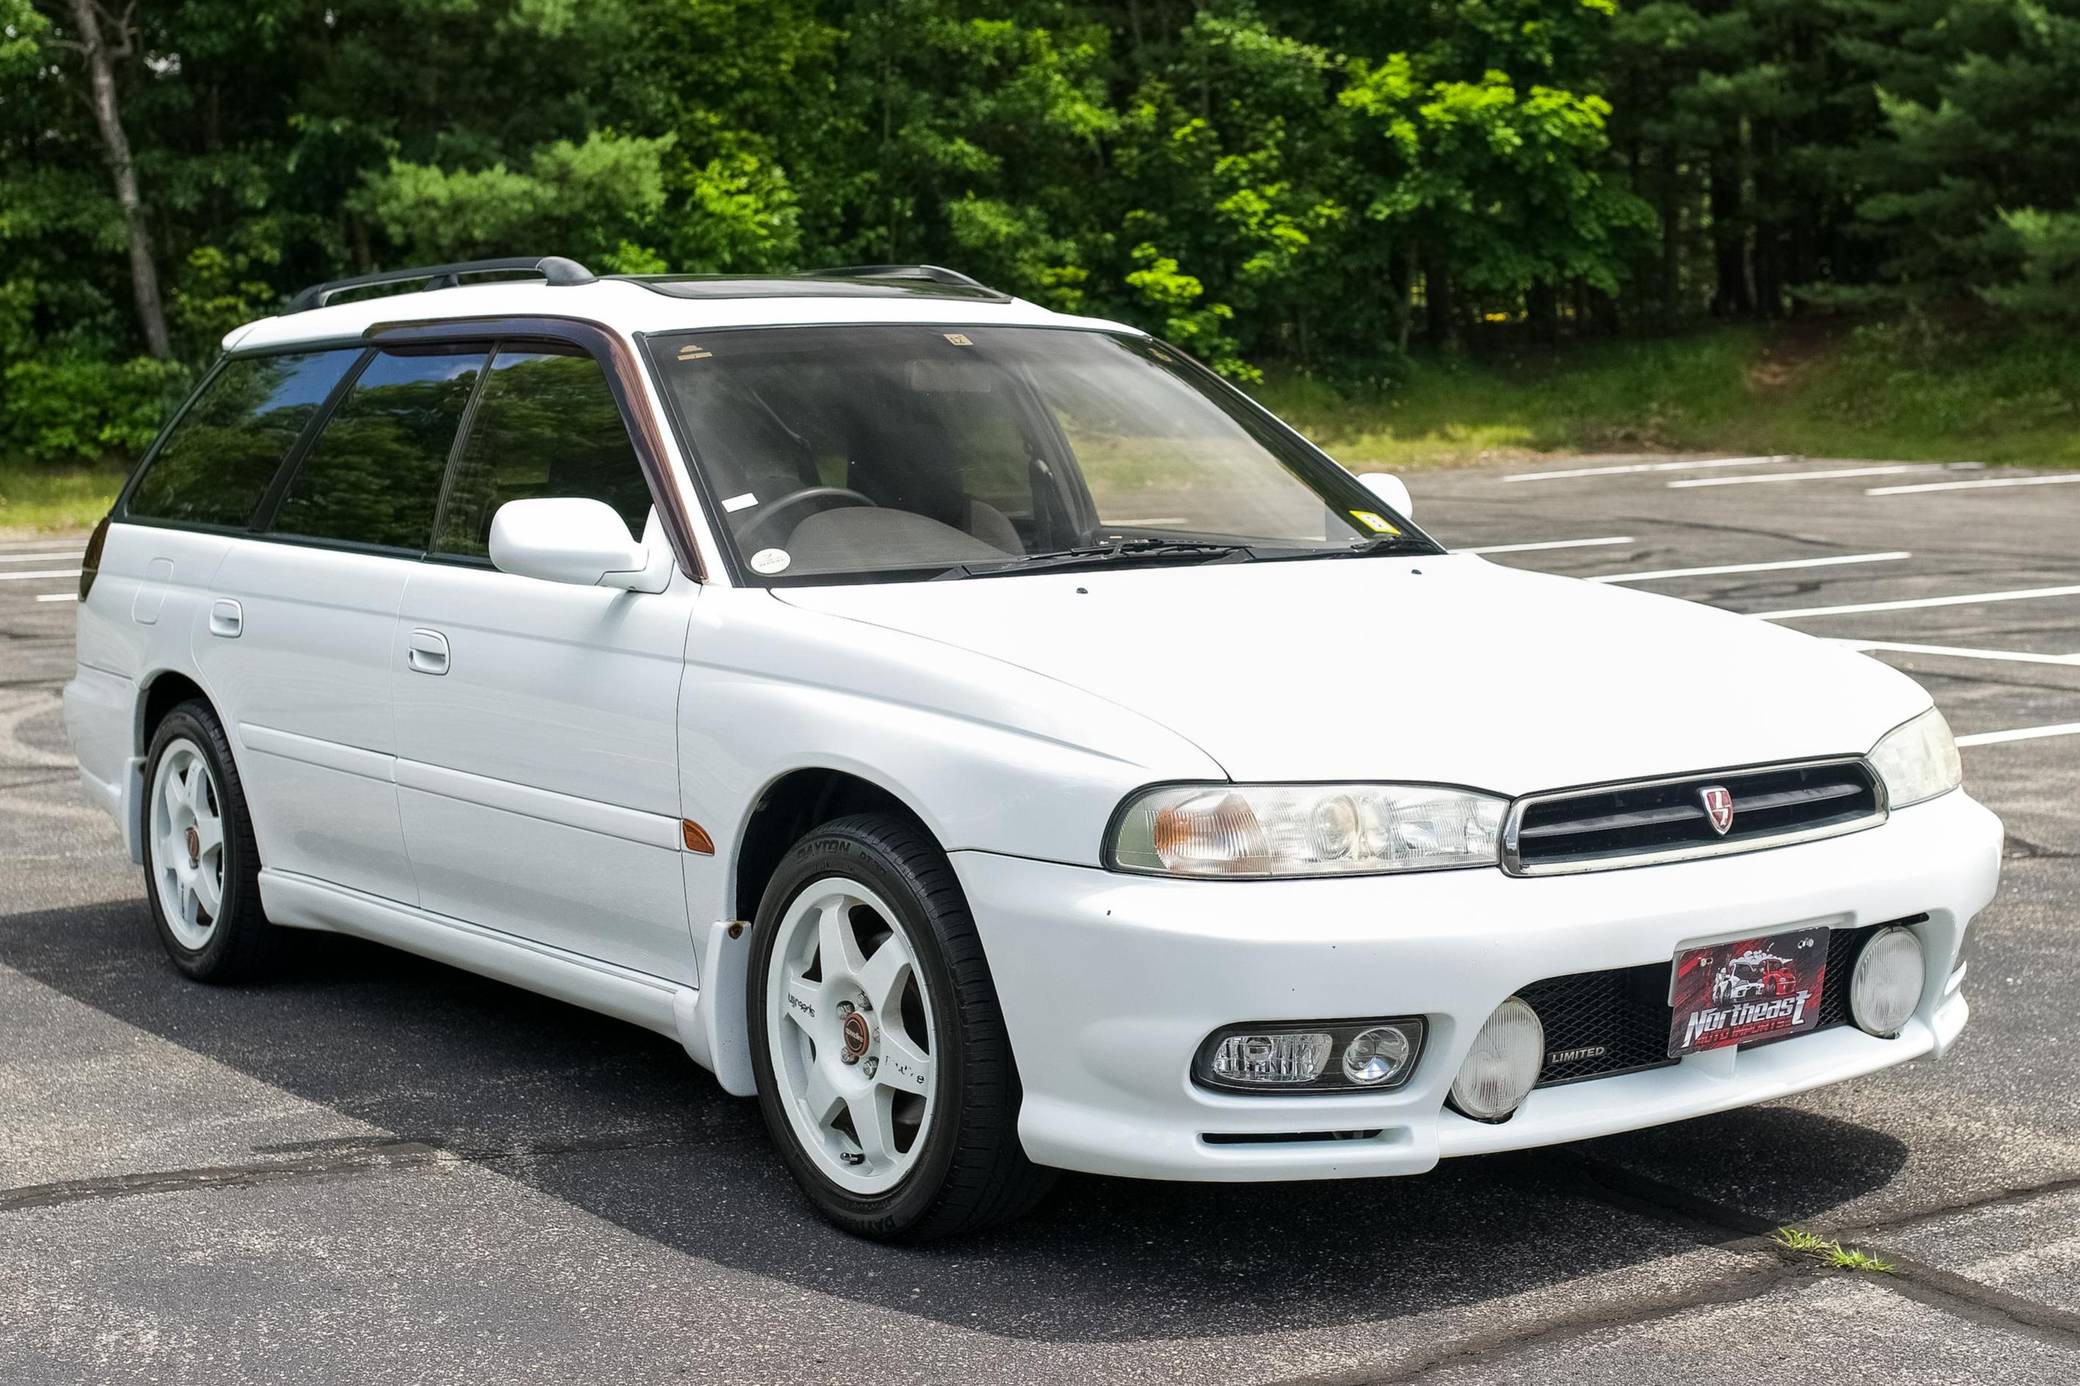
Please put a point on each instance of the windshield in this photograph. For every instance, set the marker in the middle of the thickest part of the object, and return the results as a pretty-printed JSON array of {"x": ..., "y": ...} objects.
[{"x": 927, "y": 450}]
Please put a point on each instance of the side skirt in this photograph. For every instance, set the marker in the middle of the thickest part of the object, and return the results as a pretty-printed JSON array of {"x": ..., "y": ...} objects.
[{"x": 301, "y": 902}]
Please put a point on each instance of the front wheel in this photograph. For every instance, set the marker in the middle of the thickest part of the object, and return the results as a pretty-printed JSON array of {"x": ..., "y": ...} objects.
[{"x": 884, "y": 1071}]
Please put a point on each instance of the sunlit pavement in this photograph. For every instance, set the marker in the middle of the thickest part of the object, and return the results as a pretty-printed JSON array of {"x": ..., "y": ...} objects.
[{"x": 378, "y": 1169}]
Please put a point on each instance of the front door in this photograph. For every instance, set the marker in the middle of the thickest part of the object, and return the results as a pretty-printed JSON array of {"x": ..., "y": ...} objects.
[{"x": 537, "y": 733}]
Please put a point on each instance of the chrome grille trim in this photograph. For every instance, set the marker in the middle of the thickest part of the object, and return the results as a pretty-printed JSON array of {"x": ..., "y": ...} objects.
[{"x": 1516, "y": 838}]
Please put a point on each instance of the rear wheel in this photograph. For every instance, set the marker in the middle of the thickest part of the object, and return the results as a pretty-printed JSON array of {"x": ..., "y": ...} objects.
[
  {"x": 200, "y": 864},
  {"x": 884, "y": 1072}
]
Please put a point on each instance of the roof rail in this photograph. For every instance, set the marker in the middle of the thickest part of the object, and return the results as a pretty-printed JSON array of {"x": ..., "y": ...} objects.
[
  {"x": 937, "y": 274},
  {"x": 554, "y": 269}
]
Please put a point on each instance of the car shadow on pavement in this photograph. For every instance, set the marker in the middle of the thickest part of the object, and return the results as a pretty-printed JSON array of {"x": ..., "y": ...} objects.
[{"x": 619, "y": 1123}]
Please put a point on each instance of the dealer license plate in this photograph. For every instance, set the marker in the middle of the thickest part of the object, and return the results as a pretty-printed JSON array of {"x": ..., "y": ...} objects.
[{"x": 1750, "y": 989}]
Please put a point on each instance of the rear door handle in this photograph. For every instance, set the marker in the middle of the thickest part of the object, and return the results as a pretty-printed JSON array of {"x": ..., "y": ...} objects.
[
  {"x": 226, "y": 618},
  {"x": 426, "y": 652}
]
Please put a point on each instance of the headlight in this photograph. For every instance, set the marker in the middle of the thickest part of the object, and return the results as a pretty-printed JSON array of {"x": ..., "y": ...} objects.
[
  {"x": 1918, "y": 760},
  {"x": 1304, "y": 830}
]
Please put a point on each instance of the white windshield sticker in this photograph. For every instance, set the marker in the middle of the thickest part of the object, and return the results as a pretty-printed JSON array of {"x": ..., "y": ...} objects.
[
  {"x": 736, "y": 503},
  {"x": 770, "y": 561}
]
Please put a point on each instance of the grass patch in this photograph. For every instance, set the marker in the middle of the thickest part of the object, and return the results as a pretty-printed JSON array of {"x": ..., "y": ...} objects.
[
  {"x": 1830, "y": 1253},
  {"x": 1887, "y": 391},
  {"x": 48, "y": 500}
]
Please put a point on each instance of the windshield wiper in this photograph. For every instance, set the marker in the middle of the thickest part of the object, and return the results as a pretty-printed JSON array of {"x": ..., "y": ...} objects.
[
  {"x": 1385, "y": 543},
  {"x": 1098, "y": 555}
]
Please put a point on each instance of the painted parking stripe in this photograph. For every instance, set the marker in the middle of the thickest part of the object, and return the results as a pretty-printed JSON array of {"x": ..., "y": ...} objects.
[
  {"x": 57, "y": 596},
  {"x": 2020, "y": 734},
  {"x": 1974, "y": 485},
  {"x": 41, "y": 575},
  {"x": 1778, "y": 566},
  {"x": 1630, "y": 468},
  {"x": 1550, "y": 544},
  {"x": 1829, "y": 474},
  {"x": 39, "y": 558},
  {"x": 1915, "y": 603},
  {"x": 1960, "y": 652}
]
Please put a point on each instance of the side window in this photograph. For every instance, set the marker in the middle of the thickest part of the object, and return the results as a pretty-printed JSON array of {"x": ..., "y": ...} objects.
[
  {"x": 374, "y": 474},
  {"x": 224, "y": 451},
  {"x": 547, "y": 425}
]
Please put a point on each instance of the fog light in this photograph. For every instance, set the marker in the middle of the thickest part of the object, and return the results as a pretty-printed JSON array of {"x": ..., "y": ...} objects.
[
  {"x": 1376, "y": 1056},
  {"x": 1271, "y": 1060},
  {"x": 1310, "y": 1056},
  {"x": 1503, "y": 1064},
  {"x": 1886, "y": 985}
]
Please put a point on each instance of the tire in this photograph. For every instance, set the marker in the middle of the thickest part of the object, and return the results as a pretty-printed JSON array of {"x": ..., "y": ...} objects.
[
  {"x": 201, "y": 867},
  {"x": 893, "y": 891}
]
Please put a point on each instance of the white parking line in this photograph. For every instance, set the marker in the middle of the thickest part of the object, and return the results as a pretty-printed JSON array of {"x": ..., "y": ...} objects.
[
  {"x": 1778, "y": 566},
  {"x": 1632, "y": 467},
  {"x": 39, "y": 575},
  {"x": 1914, "y": 603},
  {"x": 57, "y": 596},
  {"x": 1974, "y": 485},
  {"x": 1827, "y": 475},
  {"x": 1549, "y": 544},
  {"x": 1958, "y": 652},
  {"x": 2020, "y": 734},
  {"x": 39, "y": 558}
]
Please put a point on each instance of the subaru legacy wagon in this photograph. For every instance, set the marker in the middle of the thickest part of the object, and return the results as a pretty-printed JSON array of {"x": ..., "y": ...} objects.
[{"x": 988, "y": 739}]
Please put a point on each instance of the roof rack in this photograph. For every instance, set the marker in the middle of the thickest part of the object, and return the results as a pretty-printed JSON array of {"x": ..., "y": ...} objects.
[
  {"x": 554, "y": 269},
  {"x": 937, "y": 274}
]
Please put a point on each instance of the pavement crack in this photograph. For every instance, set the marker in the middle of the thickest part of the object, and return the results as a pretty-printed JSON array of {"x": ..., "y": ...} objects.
[
  {"x": 327, "y": 1160},
  {"x": 1731, "y": 1229},
  {"x": 1504, "y": 1344},
  {"x": 1977, "y": 1301}
]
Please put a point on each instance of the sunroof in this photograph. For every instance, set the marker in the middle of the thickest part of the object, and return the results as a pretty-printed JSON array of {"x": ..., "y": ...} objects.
[{"x": 810, "y": 286}]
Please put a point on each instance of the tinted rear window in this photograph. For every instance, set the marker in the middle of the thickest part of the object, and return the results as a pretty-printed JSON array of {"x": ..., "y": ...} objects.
[
  {"x": 374, "y": 474},
  {"x": 219, "y": 458}
]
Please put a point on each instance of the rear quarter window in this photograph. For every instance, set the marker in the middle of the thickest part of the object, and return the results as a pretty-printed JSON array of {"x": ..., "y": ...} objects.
[{"x": 217, "y": 462}]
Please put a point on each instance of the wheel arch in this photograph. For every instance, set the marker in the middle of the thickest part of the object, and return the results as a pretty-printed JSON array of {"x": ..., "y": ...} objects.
[
  {"x": 160, "y": 693},
  {"x": 790, "y": 806}
]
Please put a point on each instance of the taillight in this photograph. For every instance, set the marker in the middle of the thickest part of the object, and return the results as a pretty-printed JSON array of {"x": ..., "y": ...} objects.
[{"x": 90, "y": 561}]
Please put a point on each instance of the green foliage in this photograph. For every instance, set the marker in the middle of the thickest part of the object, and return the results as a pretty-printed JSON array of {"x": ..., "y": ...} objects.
[
  {"x": 1317, "y": 189},
  {"x": 82, "y": 408}
]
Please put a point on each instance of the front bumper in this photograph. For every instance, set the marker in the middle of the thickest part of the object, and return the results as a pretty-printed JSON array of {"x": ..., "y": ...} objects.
[{"x": 1110, "y": 982}]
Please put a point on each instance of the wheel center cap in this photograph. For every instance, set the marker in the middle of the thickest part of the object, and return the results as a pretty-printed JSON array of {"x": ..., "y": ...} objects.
[
  {"x": 856, "y": 1035},
  {"x": 194, "y": 846}
]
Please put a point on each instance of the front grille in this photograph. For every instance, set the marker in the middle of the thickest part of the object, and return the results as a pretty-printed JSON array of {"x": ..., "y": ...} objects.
[
  {"x": 1666, "y": 820},
  {"x": 1599, "y": 1024}
]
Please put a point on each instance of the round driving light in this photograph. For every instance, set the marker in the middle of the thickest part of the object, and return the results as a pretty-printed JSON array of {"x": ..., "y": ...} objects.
[
  {"x": 1503, "y": 1064},
  {"x": 1376, "y": 1056},
  {"x": 1886, "y": 985}
]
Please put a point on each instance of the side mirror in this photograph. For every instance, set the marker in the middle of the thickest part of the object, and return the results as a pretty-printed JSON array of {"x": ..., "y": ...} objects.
[
  {"x": 568, "y": 539},
  {"x": 1392, "y": 490}
]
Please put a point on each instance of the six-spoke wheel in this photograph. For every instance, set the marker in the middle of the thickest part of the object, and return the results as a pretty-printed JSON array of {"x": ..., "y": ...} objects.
[
  {"x": 202, "y": 869},
  {"x": 884, "y": 1071}
]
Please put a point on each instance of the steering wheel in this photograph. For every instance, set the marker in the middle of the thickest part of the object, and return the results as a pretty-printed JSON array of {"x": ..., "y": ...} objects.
[{"x": 795, "y": 507}]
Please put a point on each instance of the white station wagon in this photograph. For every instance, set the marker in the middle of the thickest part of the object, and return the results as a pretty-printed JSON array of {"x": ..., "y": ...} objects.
[{"x": 988, "y": 738}]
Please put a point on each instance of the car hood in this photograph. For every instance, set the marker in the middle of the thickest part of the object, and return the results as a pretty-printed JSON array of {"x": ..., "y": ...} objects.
[{"x": 1445, "y": 669}]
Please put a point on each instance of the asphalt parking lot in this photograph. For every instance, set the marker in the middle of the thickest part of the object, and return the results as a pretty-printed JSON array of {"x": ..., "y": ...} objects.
[{"x": 378, "y": 1169}]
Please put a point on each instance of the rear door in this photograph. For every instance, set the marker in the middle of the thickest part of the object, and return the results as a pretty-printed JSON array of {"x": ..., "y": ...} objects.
[
  {"x": 537, "y": 721},
  {"x": 297, "y": 638}
]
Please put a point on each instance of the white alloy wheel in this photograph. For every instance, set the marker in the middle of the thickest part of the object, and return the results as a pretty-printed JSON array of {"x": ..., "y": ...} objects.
[
  {"x": 849, "y": 1025},
  {"x": 187, "y": 832}
]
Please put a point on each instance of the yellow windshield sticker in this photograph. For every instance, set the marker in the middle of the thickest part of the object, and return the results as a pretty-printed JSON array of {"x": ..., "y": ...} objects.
[{"x": 1376, "y": 523}]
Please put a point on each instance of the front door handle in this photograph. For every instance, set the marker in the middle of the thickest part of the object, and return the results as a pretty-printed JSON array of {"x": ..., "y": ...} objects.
[
  {"x": 226, "y": 618},
  {"x": 426, "y": 652}
]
